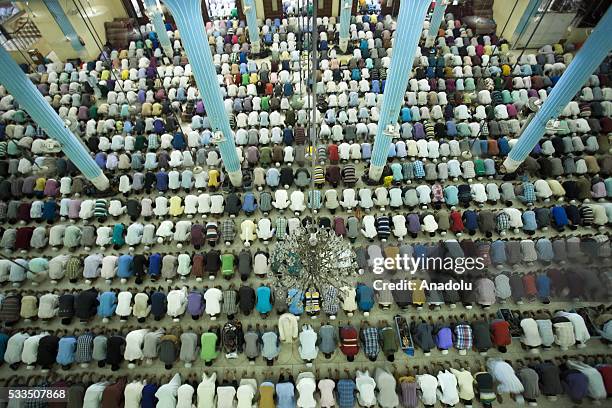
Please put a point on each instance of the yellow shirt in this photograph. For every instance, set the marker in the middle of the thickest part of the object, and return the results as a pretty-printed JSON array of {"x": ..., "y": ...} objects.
[
  {"x": 125, "y": 74},
  {"x": 388, "y": 181},
  {"x": 105, "y": 75},
  {"x": 266, "y": 396},
  {"x": 40, "y": 184},
  {"x": 418, "y": 294},
  {"x": 213, "y": 178},
  {"x": 176, "y": 207}
]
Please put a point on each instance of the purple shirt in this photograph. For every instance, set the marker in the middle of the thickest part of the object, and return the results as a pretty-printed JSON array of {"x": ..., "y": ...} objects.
[
  {"x": 51, "y": 188},
  {"x": 74, "y": 206},
  {"x": 414, "y": 224},
  {"x": 195, "y": 303},
  {"x": 444, "y": 338}
]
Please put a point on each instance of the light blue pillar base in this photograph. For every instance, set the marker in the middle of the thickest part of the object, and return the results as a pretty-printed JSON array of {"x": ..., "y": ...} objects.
[
  {"x": 250, "y": 12},
  {"x": 593, "y": 51},
  {"x": 188, "y": 17},
  {"x": 409, "y": 26},
  {"x": 346, "y": 7},
  {"x": 157, "y": 19},
  {"x": 31, "y": 100}
]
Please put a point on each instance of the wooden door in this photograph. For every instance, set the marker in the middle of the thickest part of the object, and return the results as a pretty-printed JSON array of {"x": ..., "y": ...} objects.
[
  {"x": 273, "y": 8},
  {"x": 389, "y": 7},
  {"x": 240, "y": 10},
  {"x": 205, "y": 15},
  {"x": 324, "y": 8}
]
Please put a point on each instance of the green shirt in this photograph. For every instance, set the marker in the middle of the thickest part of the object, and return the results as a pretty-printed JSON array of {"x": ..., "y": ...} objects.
[
  {"x": 208, "y": 351},
  {"x": 389, "y": 340},
  {"x": 227, "y": 264},
  {"x": 479, "y": 167}
]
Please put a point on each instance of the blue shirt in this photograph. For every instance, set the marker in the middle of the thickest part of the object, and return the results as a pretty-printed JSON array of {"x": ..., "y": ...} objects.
[
  {"x": 451, "y": 195},
  {"x": 263, "y": 299},
  {"x": 161, "y": 181},
  {"x": 107, "y": 304},
  {"x": 49, "y": 210},
  {"x": 529, "y": 221},
  {"x": 365, "y": 297},
  {"x": 543, "y": 285},
  {"x": 178, "y": 141},
  {"x": 498, "y": 252},
  {"x": 158, "y": 304},
  {"x": 65, "y": 350},
  {"x": 346, "y": 393},
  {"x": 124, "y": 266},
  {"x": 560, "y": 216},
  {"x": 285, "y": 395},
  {"x": 155, "y": 265},
  {"x": 545, "y": 250},
  {"x": 296, "y": 302},
  {"x": 3, "y": 341},
  {"x": 470, "y": 220},
  {"x": 249, "y": 204},
  {"x": 148, "y": 396}
]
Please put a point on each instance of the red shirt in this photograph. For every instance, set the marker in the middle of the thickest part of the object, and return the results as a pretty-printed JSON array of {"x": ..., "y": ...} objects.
[
  {"x": 349, "y": 341},
  {"x": 529, "y": 283},
  {"x": 456, "y": 221},
  {"x": 332, "y": 153},
  {"x": 500, "y": 333},
  {"x": 606, "y": 374}
]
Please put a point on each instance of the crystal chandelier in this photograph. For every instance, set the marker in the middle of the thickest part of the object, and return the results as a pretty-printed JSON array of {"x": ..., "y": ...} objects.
[{"x": 312, "y": 257}]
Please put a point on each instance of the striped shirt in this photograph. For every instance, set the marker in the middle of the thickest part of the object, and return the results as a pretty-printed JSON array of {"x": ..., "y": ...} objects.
[
  {"x": 101, "y": 208},
  {"x": 349, "y": 174},
  {"x": 318, "y": 175},
  {"x": 281, "y": 228}
]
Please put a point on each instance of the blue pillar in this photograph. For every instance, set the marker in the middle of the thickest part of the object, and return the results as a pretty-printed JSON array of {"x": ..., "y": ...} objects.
[
  {"x": 250, "y": 12},
  {"x": 346, "y": 6},
  {"x": 60, "y": 17},
  {"x": 436, "y": 18},
  {"x": 188, "y": 17},
  {"x": 409, "y": 26},
  {"x": 586, "y": 61},
  {"x": 31, "y": 100},
  {"x": 157, "y": 19}
]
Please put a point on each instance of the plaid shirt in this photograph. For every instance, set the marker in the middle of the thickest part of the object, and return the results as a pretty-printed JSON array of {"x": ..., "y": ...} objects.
[
  {"x": 529, "y": 192},
  {"x": 463, "y": 337},
  {"x": 228, "y": 230},
  {"x": 346, "y": 393},
  {"x": 84, "y": 348},
  {"x": 281, "y": 228},
  {"x": 330, "y": 301},
  {"x": 369, "y": 338},
  {"x": 153, "y": 142},
  {"x": 503, "y": 221},
  {"x": 418, "y": 169},
  {"x": 37, "y": 403}
]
